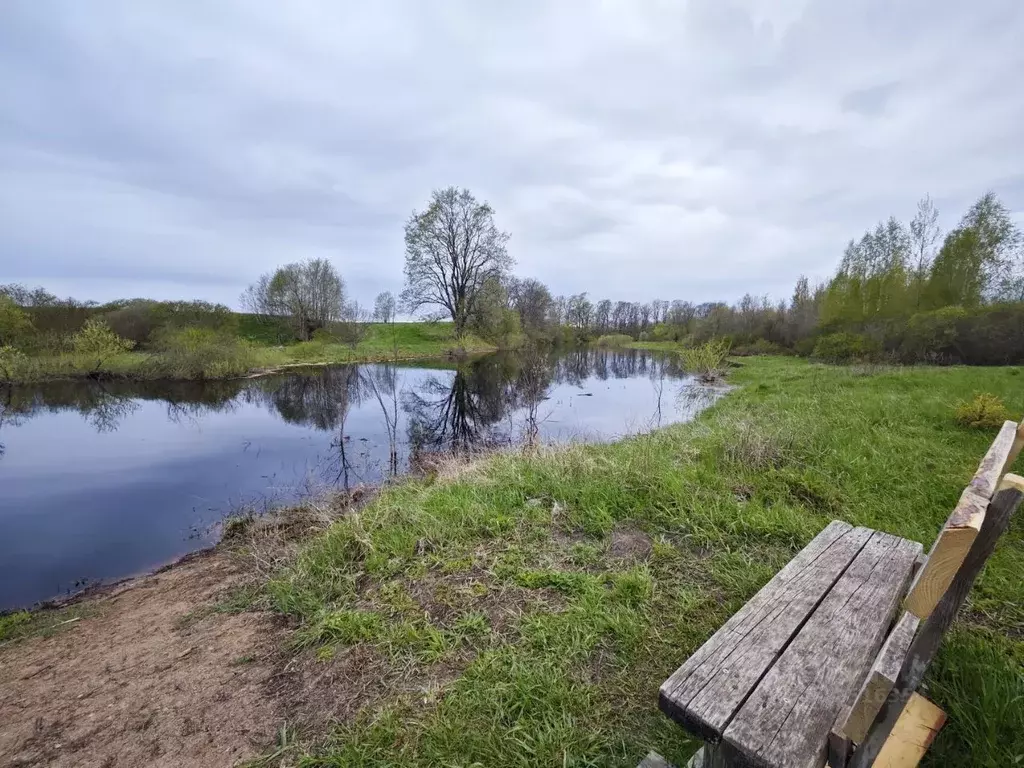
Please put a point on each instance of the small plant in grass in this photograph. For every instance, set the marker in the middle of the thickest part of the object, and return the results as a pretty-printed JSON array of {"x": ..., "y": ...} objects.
[
  {"x": 707, "y": 361},
  {"x": 345, "y": 627},
  {"x": 13, "y": 623},
  {"x": 985, "y": 411},
  {"x": 99, "y": 343}
]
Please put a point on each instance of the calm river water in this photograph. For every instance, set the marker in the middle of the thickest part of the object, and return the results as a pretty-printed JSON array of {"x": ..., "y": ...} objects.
[{"x": 104, "y": 480}]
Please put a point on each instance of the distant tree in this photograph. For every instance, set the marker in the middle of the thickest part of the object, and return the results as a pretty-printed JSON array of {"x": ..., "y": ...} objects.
[
  {"x": 924, "y": 235},
  {"x": 451, "y": 249},
  {"x": 976, "y": 258},
  {"x": 352, "y": 324},
  {"x": 681, "y": 314},
  {"x": 384, "y": 307},
  {"x": 579, "y": 312},
  {"x": 532, "y": 300},
  {"x": 559, "y": 309},
  {"x": 492, "y": 318},
  {"x": 802, "y": 314},
  {"x": 15, "y": 324},
  {"x": 603, "y": 316},
  {"x": 28, "y": 297},
  {"x": 646, "y": 310},
  {"x": 311, "y": 294}
]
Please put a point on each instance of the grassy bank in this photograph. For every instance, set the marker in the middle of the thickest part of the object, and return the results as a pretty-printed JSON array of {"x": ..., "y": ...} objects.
[
  {"x": 524, "y": 611},
  {"x": 252, "y": 348}
]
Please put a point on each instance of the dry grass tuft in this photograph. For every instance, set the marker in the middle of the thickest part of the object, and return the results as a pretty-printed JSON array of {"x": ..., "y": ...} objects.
[{"x": 759, "y": 445}]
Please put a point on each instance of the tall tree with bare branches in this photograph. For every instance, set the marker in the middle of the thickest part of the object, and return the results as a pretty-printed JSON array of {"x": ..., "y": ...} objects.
[{"x": 451, "y": 250}]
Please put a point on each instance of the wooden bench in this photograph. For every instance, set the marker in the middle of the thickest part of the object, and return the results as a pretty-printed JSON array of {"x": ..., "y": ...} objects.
[{"x": 823, "y": 664}]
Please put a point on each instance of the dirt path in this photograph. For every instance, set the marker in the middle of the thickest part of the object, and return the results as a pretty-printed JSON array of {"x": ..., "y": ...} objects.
[{"x": 141, "y": 681}]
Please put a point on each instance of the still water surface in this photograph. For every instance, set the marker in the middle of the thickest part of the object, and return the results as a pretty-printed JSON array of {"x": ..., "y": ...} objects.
[{"x": 103, "y": 480}]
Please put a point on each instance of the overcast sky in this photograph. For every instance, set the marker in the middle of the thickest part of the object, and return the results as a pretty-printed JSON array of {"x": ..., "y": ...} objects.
[{"x": 634, "y": 149}]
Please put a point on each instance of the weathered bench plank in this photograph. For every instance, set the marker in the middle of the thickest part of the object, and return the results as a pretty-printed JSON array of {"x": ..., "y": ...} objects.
[
  {"x": 997, "y": 460},
  {"x": 705, "y": 693},
  {"x": 947, "y": 554},
  {"x": 787, "y": 718},
  {"x": 926, "y": 643},
  {"x": 880, "y": 679}
]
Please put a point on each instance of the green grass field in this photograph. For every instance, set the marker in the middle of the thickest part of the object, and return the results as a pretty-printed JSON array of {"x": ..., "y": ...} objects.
[
  {"x": 524, "y": 611},
  {"x": 256, "y": 347}
]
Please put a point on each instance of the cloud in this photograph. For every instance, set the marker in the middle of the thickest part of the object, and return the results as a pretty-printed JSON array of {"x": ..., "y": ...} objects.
[{"x": 634, "y": 149}]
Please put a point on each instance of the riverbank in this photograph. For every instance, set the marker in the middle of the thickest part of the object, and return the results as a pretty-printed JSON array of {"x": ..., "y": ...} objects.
[
  {"x": 523, "y": 610},
  {"x": 248, "y": 354}
]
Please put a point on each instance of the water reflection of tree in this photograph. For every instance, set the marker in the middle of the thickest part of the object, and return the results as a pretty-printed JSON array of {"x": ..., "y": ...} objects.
[
  {"x": 102, "y": 404},
  {"x": 449, "y": 411},
  {"x": 459, "y": 415},
  {"x": 321, "y": 400},
  {"x": 382, "y": 382}
]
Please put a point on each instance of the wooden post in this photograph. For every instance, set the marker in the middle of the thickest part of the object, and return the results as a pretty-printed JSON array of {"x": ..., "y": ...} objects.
[{"x": 997, "y": 518}]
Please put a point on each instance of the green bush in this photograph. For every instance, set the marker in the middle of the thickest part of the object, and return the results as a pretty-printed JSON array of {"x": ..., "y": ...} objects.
[
  {"x": 845, "y": 347},
  {"x": 707, "y": 361},
  {"x": 15, "y": 324},
  {"x": 11, "y": 362},
  {"x": 142, "y": 319},
  {"x": 200, "y": 353},
  {"x": 932, "y": 336},
  {"x": 98, "y": 343},
  {"x": 985, "y": 411},
  {"x": 614, "y": 340}
]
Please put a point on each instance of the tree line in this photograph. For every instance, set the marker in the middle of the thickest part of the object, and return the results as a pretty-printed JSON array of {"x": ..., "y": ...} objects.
[{"x": 904, "y": 291}]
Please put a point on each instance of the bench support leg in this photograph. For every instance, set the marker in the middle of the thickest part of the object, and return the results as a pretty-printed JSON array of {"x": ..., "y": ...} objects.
[{"x": 708, "y": 756}]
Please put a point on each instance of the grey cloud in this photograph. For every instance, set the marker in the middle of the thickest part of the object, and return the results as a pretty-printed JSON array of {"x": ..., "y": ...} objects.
[
  {"x": 634, "y": 149},
  {"x": 871, "y": 101}
]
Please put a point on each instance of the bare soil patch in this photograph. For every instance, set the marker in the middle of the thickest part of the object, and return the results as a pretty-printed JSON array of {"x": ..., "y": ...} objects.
[{"x": 128, "y": 685}]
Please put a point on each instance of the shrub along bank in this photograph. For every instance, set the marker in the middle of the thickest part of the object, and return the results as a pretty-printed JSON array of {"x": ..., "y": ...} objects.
[{"x": 193, "y": 340}]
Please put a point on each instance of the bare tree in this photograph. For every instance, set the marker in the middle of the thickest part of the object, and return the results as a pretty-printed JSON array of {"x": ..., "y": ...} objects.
[
  {"x": 384, "y": 307},
  {"x": 384, "y": 310},
  {"x": 310, "y": 293},
  {"x": 352, "y": 325},
  {"x": 924, "y": 235},
  {"x": 451, "y": 249}
]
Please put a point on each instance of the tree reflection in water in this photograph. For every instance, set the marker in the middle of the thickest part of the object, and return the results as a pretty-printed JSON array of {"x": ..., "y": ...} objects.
[{"x": 477, "y": 405}]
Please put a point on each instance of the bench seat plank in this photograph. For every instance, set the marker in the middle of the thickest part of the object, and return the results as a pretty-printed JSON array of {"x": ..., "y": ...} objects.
[
  {"x": 787, "y": 718},
  {"x": 704, "y": 694}
]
